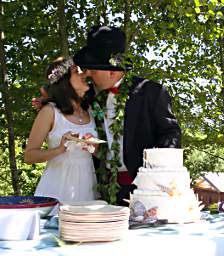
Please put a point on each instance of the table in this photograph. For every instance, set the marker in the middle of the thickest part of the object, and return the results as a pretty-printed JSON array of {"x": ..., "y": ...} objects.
[{"x": 204, "y": 238}]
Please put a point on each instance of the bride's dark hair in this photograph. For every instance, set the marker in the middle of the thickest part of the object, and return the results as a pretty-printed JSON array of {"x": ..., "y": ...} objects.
[{"x": 61, "y": 92}]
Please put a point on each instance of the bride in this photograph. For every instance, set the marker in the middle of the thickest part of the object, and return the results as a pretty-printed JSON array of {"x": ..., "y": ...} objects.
[{"x": 69, "y": 174}]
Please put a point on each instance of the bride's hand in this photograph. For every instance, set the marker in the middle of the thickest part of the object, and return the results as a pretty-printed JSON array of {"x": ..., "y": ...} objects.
[{"x": 66, "y": 137}]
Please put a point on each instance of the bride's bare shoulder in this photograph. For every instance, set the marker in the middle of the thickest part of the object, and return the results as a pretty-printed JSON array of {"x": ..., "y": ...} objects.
[{"x": 47, "y": 110}]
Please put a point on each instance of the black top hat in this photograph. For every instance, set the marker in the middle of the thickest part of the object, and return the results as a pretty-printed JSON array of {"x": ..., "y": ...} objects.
[{"x": 104, "y": 50}]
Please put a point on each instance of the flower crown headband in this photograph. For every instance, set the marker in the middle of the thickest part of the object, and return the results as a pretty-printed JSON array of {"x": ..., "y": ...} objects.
[{"x": 60, "y": 71}]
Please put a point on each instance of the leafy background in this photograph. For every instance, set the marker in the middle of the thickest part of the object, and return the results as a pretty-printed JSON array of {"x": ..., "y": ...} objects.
[{"x": 178, "y": 43}]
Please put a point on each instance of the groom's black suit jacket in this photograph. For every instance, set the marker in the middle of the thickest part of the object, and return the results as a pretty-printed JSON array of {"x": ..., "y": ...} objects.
[{"x": 148, "y": 122}]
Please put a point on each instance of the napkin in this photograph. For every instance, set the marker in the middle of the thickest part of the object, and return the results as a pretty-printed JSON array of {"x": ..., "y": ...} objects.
[
  {"x": 19, "y": 224},
  {"x": 52, "y": 223}
]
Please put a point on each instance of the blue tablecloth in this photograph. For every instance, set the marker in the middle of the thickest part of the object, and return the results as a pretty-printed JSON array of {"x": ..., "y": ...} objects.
[{"x": 203, "y": 238}]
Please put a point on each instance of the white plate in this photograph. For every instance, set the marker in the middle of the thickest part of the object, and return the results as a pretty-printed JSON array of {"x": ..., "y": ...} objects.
[
  {"x": 84, "y": 203},
  {"x": 95, "y": 209},
  {"x": 89, "y": 141}
]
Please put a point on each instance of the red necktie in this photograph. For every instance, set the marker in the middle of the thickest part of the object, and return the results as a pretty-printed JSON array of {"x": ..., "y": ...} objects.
[{"x": 114, "y": 90}]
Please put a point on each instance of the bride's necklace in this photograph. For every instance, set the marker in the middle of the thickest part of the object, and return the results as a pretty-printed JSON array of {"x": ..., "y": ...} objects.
[{"x": 79, "y": 117}]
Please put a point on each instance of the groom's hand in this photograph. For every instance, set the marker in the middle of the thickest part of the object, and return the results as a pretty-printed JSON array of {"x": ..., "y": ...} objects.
[
  {"x": 96, "y": 146},
  {"x": 37, "y": 102}
]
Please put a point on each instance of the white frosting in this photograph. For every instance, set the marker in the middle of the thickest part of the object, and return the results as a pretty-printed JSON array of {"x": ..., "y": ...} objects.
[
  {"x": 166, "y": 157},
  {"x": 153, "y": 179},
  {"x": 164, "y": 184},
  {"x": 181, "y": 209}
]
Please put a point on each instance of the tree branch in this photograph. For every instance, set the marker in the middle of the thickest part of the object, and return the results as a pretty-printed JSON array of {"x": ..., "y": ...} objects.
[
  {"x": 7, "y": 107},
  {"x": 127, "y": 16},
  {"x": 63, "y": 28}
]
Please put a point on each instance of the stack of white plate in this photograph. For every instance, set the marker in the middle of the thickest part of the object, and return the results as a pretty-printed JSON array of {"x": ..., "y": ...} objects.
[{"x": 93, "y": 223}]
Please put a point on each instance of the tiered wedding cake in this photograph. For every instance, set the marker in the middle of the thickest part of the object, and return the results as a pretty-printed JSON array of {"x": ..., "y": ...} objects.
[{"x": 163, "y": 189}]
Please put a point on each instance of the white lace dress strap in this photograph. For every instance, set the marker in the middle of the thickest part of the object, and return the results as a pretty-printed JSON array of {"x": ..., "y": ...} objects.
[{"x": 58, "y": 119}]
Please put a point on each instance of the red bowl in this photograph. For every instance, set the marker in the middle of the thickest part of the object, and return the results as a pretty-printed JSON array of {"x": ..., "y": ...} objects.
[{"x": 43, "y": 204}]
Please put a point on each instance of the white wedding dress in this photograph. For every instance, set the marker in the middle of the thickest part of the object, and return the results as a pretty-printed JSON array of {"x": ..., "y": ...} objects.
[{"x": 69, "y": 177}]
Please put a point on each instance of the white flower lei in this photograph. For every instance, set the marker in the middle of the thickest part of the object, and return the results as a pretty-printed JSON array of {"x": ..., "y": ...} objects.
[{"x": 60, "y": 71}]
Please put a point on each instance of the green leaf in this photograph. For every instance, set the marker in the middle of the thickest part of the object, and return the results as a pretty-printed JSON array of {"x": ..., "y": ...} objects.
[{"x": 197, "y": 10}]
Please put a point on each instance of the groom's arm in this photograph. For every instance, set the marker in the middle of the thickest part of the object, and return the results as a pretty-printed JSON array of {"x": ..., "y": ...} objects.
[{"x": 167, "y": 127}]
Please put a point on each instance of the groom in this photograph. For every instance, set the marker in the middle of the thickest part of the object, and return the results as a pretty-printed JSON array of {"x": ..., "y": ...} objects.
[{"x": 148, "y": 119}]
